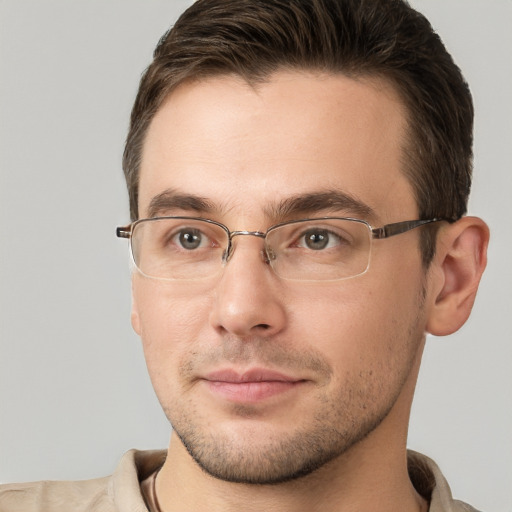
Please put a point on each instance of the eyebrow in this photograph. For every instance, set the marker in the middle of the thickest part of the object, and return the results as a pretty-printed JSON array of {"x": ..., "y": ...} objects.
[
  {"x": 322, "y": 201},
  {"x": 299, "y": 205},
  {"x": 170, "y": 199}
]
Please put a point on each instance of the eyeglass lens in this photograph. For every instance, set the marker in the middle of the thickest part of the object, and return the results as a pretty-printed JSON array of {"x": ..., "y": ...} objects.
[{"x": 188, "y": 249}]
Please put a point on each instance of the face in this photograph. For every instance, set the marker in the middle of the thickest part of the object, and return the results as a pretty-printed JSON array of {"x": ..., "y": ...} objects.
[{"x": 247, "y": 365}]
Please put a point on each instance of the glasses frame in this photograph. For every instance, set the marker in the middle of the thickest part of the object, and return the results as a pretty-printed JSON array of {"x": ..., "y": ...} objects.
[{"x": 379, "y": 233}]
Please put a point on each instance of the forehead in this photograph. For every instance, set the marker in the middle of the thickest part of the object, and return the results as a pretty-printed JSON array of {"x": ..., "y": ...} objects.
[{"x": 244, "y": 148}]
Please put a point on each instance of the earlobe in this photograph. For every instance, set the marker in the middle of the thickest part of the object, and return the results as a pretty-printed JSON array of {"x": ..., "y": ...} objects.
[{"x": 460, "y": 260}]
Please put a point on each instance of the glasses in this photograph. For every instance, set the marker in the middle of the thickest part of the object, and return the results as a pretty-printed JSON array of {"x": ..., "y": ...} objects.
[{"x": 322, "y": 249}]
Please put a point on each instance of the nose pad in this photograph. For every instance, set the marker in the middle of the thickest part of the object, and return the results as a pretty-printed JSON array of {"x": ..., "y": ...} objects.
[
  {"x": 266, "y": 253},
  {"x": 269, "y": 254},
  {"x": 264, "y": 256},
  {"x": 227, "y": 254}
]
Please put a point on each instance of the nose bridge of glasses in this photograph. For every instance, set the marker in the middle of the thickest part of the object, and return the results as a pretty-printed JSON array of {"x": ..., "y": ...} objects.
[
  {"x": 233, "y": 234},
  {"x": 259, "y": 234}
]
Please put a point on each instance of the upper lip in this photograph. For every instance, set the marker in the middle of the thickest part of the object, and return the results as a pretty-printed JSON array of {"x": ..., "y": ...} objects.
[{"x": 252, "y": 375}]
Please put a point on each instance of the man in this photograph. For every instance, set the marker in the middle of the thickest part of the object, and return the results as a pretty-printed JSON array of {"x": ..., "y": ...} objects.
[{"x": 298, "y": 174}]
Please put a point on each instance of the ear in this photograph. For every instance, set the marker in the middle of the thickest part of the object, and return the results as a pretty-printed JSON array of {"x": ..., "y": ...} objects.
[
  {"x": 460, "y": 259},
  {"x": 135, "y": 319}
]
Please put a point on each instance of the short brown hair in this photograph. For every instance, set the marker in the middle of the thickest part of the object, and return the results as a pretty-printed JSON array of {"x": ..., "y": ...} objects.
[{"x": 381, "y": 38}]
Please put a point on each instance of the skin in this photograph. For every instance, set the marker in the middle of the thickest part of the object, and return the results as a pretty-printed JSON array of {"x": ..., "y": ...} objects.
[{"x": 335, "y": 439}]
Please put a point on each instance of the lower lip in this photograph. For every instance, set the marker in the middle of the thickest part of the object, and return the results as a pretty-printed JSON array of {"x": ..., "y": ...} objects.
[{"x": 250, "y": 392}]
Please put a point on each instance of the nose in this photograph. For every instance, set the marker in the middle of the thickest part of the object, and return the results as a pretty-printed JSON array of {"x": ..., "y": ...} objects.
[{"x": 248, "y": 299}]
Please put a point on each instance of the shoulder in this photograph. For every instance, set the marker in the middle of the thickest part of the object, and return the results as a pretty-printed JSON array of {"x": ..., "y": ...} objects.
[
  {"x": 47, "y": 496},
  {"x": 117, "y": 493},
  {"x": 432, "y": 485},
  {"x": 464, "y": 507}
]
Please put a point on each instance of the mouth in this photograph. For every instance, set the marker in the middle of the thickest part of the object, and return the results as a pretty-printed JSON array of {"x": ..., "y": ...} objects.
[{"x": 252, "y": 386}]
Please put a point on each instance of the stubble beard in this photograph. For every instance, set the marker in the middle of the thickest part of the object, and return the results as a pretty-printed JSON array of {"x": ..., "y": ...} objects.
[
  {"x": 265, "y": 457},
  {"x": 279, "y": 458}
]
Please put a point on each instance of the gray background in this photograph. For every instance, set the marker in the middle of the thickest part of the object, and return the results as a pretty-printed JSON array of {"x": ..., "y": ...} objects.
[{"x": 74, "y": 394}]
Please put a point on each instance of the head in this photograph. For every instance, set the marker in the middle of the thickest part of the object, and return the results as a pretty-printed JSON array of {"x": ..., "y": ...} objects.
[
  {"x": 253, "y": 113},
  {"x": 357, "y": 38}
]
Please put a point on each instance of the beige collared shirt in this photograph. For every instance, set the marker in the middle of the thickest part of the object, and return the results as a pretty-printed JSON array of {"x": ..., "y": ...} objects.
[{"x": 121, "y": 492}]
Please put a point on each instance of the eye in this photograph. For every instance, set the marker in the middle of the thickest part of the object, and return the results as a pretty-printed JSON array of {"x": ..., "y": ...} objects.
[
  {"x": 190, "y": 239},
  {"x": 318, "y": 239}
]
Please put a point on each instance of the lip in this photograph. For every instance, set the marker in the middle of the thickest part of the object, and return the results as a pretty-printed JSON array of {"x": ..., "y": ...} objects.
[{"x": 251, "y": 386}]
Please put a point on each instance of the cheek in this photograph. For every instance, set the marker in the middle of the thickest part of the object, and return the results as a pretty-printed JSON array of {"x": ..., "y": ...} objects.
[
  {"x": 170, "y": 320},
  {"x": 362, "y": 323}
]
